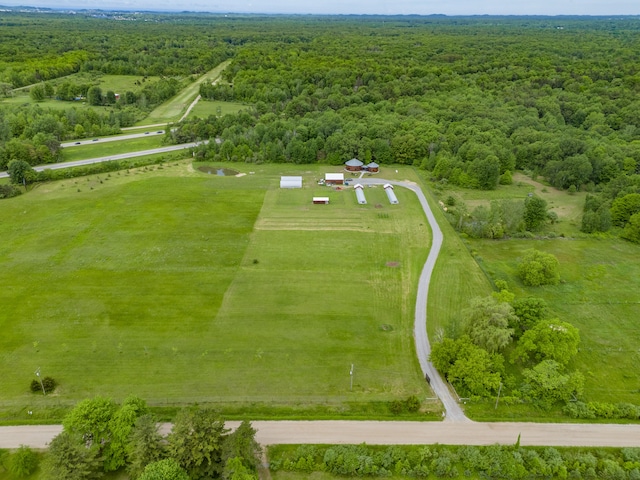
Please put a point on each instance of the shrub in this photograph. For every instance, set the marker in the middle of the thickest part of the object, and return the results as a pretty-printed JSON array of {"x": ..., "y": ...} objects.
[
  {"x": 23, "y": 462},
  {"x": 539, "y": 268},
  {"x": 49, "y": 384},
  {"x": 396, "y": 407},
  {"x": 9, "y": 191},
  {"x": 412, "y": 404},
  {"x": 506, "y": 178}
]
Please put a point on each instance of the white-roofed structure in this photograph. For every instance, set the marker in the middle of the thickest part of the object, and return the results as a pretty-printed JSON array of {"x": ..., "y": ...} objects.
[
  {"x": 290, "y": 182},
  {"x": 391, "y": 194},
  {"x": 321, "y": 200},
  {"x": 359, "y": 189},
  {"x": 334, "y": 178}
]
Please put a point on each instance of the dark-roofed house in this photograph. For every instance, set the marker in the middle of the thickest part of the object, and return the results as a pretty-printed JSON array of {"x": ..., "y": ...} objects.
[{"x": 353, "y": 165}]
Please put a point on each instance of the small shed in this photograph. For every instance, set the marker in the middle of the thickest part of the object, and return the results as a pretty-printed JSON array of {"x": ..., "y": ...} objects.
[
  {"x": 353, "y": 165},
  {"x": 290, "y": 182},
  {"x": 391, "y": 194},
  {"x": 321, "y": 200},
  {"x": 373, "y": 167},
  {"x": 359, "y": 189},
  {"x": 334, "y": 178}
]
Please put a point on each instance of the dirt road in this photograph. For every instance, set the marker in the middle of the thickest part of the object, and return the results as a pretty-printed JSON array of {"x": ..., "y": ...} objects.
[{"x": 393, "y": 433}]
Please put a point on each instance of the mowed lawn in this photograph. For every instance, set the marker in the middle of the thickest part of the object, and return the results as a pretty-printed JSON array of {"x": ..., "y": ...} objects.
[
  {"x": 189, "y": 287},
  {"x": 599, "y": 293}
]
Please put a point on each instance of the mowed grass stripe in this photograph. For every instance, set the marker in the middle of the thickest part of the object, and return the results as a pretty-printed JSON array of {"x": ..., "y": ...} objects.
[{"x": 128, "y": 274}]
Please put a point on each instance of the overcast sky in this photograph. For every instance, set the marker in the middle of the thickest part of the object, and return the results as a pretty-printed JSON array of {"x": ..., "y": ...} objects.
[{"x": 421, "y": 7}]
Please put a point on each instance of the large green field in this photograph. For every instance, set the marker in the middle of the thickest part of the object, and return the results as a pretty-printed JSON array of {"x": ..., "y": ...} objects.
[{"x": 179, "y": 286}]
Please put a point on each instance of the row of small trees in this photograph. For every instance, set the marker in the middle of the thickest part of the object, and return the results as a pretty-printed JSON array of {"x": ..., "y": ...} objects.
[
  {"x": 501, "y": 219},
  {"x": 440, "y": 461},
  {"x": 101, "y": 436}
]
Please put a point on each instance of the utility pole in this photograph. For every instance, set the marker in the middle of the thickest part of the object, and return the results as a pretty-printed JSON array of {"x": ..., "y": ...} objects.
[
  {"x": 351, "y": 376},
  {"x": 40, "y": 378},
  {"x": 497, "y": 399}
]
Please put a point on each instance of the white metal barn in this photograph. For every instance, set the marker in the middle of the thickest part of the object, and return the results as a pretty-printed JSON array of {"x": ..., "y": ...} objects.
[
  {"x": 391, "y": 194},
  {"x": 359, "y": 189},
  {"x": 334, "y": 178},
  {"x": 321, "y": 200},
  {"x": 290, "y": 182}
]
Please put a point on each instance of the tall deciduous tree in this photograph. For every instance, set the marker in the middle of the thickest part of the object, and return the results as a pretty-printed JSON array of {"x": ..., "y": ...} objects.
[
  {"x": 530, "y": 311},
  {"x": 20, "y": 172},
  {"x": 470, "y": 368},
  {"x": 632, "y": 229},
  {"x": 623, "y": 207},
  {"x": 94, "y": 96},
  {"x": 547, "y": 383},
  {"x": 535, "y": 213},
  {"x": 120, "y": 427},
  {"x": 487, "y": 323},
  {"x": 549, "y": 340},
  {"x": 90, "y": 420}
]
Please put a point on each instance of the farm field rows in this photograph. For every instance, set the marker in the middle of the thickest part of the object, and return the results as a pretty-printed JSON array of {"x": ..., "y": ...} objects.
[{"x": 179, "y": 287}]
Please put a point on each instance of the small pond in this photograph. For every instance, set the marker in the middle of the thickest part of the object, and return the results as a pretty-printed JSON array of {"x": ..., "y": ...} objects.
[{"x": 222, "y": 172}]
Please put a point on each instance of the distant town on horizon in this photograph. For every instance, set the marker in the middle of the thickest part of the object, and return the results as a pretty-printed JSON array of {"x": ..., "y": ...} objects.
[{"x": 116, "y": 10}]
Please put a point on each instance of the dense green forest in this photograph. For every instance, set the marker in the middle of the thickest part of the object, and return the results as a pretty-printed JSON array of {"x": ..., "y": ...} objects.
[{"x": 469, "y": 100}]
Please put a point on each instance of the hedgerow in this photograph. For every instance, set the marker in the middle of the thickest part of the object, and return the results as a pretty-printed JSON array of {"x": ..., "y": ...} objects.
[{"x": 442, "y": 461}]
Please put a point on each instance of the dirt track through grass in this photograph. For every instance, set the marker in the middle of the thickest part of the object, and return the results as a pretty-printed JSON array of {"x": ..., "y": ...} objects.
[{"x": 171, "y": 110}]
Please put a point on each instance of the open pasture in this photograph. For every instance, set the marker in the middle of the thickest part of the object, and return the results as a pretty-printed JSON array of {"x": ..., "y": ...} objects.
[
  {"x": 180, "y": 287},
  {"x": 598, "y": 293}
]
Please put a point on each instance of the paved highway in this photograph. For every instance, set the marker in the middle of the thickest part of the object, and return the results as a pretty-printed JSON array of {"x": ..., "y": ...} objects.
[
  {"x": 115, "y": 138},
  {"x": 121, "y": 156}
]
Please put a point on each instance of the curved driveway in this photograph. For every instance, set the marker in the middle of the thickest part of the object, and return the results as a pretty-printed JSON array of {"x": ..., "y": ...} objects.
[{"x": 452, "y": 408}]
